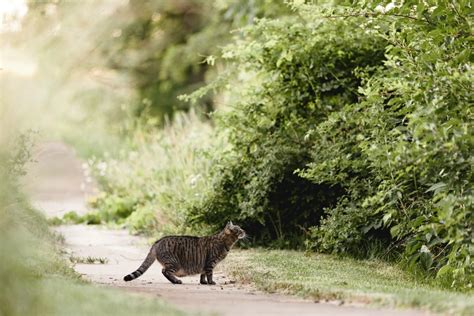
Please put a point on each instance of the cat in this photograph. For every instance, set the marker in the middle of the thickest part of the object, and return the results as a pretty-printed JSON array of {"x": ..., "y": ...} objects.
[{"x": 188, "y": 255}]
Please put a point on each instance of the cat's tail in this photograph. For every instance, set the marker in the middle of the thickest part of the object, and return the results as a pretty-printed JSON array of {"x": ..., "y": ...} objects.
[{"x": 144, "y": 266}]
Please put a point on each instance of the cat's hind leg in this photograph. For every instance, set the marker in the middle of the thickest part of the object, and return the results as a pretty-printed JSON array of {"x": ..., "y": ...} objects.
[
  {"x": 169, "y": 273},
  {"x": 170, "y": 266},
  {"x": 203, "y": 279}
]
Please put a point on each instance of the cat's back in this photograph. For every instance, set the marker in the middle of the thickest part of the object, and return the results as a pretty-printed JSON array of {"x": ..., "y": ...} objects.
[
  {"x": 175, "y": 241},
  {"x": 182, "y": 245}
]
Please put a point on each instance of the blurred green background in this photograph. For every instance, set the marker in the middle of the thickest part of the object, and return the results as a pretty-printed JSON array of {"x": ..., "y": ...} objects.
[{"x": 332, "y": 126}]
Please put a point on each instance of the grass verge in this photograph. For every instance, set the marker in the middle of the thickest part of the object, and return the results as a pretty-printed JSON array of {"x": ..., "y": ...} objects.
[{"x": 324, "y": 277}]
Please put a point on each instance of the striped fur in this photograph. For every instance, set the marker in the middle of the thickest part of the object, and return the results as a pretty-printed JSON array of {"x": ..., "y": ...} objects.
[{"x": 188, "y": 255}]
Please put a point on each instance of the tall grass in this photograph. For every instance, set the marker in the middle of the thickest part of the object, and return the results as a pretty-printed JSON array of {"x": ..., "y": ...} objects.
[{"x": 148, "y": 187}]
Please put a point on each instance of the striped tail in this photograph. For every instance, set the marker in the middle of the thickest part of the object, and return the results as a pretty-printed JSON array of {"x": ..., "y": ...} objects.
[{"x": 145, "y": 265}]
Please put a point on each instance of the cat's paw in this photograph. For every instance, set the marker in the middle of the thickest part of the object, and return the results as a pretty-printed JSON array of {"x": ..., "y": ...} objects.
[
  {"x": 203, "y": 282},
  {"x": 178, "y": 282},
  {"x": 211, "y": 283}
]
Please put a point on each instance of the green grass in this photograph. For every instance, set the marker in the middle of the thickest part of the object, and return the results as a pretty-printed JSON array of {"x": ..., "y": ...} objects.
[
  {"x": 73, "y": 298},
  {"x": 324, "y": 277},
  {"x": 59, "y": 296}
]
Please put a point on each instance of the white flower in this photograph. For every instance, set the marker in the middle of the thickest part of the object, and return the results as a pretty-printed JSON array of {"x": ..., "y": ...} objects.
[
  {"x": 193, "y": 181},
  {"x": 102, "y": 167},
  {"x": 389, "y": 6},
  {"x": 379, "y": 8},
  {"x": 424, "y": 249},
  {"x": 385, "y": 9}
]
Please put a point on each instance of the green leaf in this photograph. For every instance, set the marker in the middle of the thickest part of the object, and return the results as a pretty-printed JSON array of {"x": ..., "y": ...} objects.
[
  {"x": 443, "y": 271},
  {"x": 395, "y": 230},
  {"x": 437, "y": 187}
]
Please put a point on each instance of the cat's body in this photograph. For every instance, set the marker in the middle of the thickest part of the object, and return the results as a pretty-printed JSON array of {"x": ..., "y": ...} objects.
[{"x": 188, "y": 255}]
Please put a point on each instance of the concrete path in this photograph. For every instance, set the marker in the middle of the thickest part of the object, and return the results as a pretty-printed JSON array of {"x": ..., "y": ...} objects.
[
  {"x": 57, "y": 181},
  {"x": 57, "y": 184}
]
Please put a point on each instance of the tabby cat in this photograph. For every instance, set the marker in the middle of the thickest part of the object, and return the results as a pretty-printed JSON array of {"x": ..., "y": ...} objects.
[{"x": 188, "y": 255}]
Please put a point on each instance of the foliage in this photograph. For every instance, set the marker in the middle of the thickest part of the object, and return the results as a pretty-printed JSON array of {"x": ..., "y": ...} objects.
[
  {"x": 404, "y": 152},
  {"x": 71, "y": 217},
  {"x": 297, "y": 71},
  {"x": 164, "y": 46},
  {"x": 345, "y": 128},
  {"x": 369, "y": 105},
  {"x": 88, "y": 260},
  {"x": 78, "y": 99},
  {"x": 147, "y": 187},
  {"x": 131, "y": 60},
  {"x": 14, "y": 155}
]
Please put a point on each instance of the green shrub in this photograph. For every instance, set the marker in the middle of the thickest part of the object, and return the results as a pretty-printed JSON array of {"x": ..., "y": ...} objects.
[
  {"x": 71, "y": 217},
  {"x": 297, "y": 71},
  {"x": 370, "y": 106},
  {"x": 404, "y": 152}
]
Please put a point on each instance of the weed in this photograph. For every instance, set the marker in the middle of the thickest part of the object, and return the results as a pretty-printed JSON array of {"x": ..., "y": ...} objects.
[{"x": 88, "y": 260}]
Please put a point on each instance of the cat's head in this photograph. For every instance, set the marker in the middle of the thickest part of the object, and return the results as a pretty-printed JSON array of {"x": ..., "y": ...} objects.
[{"x": 234, "y": 230}]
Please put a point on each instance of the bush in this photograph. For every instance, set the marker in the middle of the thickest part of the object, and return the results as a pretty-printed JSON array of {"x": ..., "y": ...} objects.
[
  {"x": 297, "y": 72},
  {"x": 370, "y": 106},
  {"x": 404, "y": 152}
]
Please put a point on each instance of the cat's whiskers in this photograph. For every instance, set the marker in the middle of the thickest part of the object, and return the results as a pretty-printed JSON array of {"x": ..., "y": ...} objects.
[{"x": 245, "y": 238}]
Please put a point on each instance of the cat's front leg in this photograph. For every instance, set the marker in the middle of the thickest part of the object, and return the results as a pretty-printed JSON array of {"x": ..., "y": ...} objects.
[
  {"x": 208, "y": 270},
  {"x": 209, "y": 278}
]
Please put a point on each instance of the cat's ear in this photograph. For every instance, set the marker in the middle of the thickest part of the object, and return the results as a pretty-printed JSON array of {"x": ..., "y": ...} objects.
[{"x": 228, "y": 227}]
